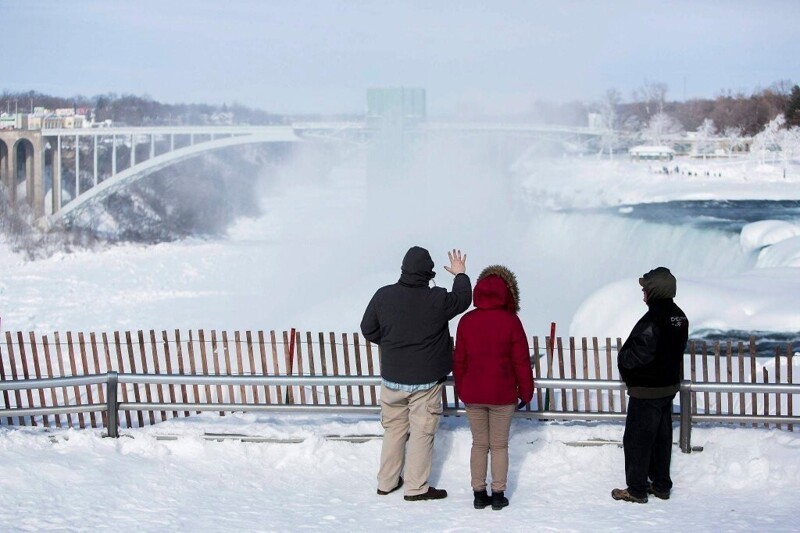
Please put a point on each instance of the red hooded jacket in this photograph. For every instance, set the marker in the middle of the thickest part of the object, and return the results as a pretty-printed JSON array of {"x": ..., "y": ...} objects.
[{"x": 491, "y": 359}]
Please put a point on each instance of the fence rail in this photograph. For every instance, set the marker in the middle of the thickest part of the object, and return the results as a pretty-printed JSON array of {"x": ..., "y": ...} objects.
[
  {"x": 111, "y": 380},
  {"x": 170, "y": 374}
]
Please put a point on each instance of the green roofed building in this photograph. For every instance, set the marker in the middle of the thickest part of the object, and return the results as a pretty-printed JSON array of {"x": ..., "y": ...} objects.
[{"x": 395, "y": 104}]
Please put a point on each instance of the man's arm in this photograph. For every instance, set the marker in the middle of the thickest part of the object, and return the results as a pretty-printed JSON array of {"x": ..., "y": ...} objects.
[
  {"x": 457, "y": 301},
  {"x": 370, "y": 327},
  {"x": 640, "y": 348}
]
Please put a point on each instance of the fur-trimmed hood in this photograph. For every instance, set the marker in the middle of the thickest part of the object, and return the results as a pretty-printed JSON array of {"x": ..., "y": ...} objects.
[{"x": 497, "y": 287}]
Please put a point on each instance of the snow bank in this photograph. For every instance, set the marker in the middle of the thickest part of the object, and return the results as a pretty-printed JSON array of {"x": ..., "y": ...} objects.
[
  {"x": 757, "y": 300},
  {"x": 757, "y": 235},
  {"x": 744, "y": 479},
  {"x": 589, "y": 182}
]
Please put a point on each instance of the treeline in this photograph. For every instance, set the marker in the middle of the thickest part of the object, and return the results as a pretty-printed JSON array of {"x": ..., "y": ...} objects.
[
  {"x": 748, "y": 112},
  {"x": 132, "y": 110}
]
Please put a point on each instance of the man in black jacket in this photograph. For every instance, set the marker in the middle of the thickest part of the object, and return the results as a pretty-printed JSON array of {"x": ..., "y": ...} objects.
[
  {"x": 650, "y": 362},
  {"x": 409, "y": 320}
]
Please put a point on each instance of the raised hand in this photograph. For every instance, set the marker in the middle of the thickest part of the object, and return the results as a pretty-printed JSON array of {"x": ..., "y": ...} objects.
[{"x": 458, "y": 263}]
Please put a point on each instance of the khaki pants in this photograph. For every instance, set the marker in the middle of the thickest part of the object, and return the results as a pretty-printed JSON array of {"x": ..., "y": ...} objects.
[
  {"x": 412, "y": 417},
  {"x": 490, "y": 425}
]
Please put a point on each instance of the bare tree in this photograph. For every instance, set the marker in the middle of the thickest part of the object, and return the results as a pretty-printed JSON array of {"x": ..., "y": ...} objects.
[
  {"x": 653, "y": 94},
  {"x": 609, "y": 121}
]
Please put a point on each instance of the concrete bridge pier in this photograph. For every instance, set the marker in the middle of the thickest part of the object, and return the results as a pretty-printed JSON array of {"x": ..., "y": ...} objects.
[
  {"x": 5, "y": 172},
  {"x": 55, "y": 169},
  {"x": 22, "y": 155}
]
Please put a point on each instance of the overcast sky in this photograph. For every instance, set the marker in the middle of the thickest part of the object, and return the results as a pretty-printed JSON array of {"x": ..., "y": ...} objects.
[{"x": 300, "y": 56}]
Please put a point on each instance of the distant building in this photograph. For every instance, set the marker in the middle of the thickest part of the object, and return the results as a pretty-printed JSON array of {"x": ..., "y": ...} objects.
[
  {"x": 395, "y": 105},
  {"x": 52, "y": 121},
  {"x": 595, "y": 121},
  {"x": 35, "y": 121},
  {"x": 74, "y": 121},
  {"x": 660, "y": 153},
  {"x": 7, "y": 121}
]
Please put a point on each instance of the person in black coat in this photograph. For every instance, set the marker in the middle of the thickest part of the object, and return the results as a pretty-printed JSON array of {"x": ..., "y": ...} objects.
[
  {"x": 409, "y": 321},
  {"x": 650, "y": 362}
]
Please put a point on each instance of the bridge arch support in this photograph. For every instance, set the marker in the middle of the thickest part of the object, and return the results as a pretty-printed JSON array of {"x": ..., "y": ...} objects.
[{"x": 155, "y": 163}]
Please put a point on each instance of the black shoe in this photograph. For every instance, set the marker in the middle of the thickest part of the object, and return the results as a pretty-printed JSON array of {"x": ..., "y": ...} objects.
[
  {"x": 623, "y": 494},
  {"x": 482, "y": 500},
  {"x": 432, "y": 494},
  {"x": 660, "y": 494},
  {"x": 499, "y": 501},
  {"x": 385, "y": 492}
]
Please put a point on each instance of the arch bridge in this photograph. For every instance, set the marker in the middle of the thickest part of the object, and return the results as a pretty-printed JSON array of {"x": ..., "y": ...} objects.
[{"x": 59, "y": 172}]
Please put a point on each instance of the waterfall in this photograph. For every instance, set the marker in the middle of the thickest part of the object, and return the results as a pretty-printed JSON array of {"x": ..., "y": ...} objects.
[{"x": 566, "y": 256}]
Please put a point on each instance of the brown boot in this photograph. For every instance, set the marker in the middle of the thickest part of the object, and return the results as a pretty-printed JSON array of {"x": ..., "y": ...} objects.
[{"x": 623, "y": 494}]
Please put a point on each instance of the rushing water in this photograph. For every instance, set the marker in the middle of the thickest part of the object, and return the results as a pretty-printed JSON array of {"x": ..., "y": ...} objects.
[
  {"x": 727, "y": 215},
  {"x": 711, "y": 232}
]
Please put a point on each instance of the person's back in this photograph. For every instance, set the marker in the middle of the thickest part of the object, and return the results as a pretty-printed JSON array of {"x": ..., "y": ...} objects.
[
  {"x": 492, "y": 356},
  {"x": 409, "y": 321},
  {"x": 492, "y": 371}
]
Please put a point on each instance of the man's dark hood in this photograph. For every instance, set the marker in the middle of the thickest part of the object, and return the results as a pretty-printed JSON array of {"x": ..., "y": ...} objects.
[
  {"x": 417, "y": 269},
  {"x": 659, "y": 284}
]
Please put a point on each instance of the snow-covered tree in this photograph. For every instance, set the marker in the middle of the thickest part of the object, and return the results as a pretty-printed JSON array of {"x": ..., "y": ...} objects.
[
  {"x": 705, "y": 133},
  {"x": 768, "y": 141},
  {"x": 733, "y": 139},
  {"x": 659, "y": 128},
  {"x": 789, "y": 142}
]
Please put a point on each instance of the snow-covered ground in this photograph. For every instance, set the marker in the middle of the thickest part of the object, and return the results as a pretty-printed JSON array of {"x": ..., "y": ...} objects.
[
  {"x": 592, "y": 182},
  {"x": 743, "y": 480}
]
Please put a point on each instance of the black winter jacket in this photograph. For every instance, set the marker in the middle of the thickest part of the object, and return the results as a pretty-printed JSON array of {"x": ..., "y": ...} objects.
[
  {"x": 651, "y": 359},
  {"x": 409, "y": 320}
]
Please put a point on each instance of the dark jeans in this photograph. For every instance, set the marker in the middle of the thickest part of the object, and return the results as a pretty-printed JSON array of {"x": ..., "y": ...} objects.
[{"x": 648, "y": 444}]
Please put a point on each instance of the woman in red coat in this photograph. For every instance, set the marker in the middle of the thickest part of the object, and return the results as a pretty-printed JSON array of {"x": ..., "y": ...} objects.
[{"x": 492, "y": 370}]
